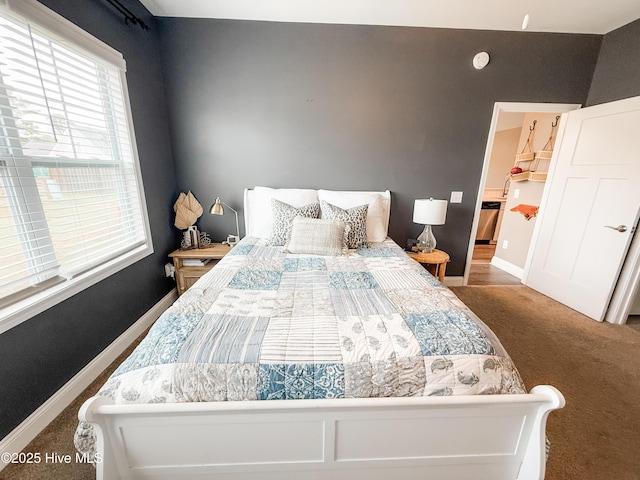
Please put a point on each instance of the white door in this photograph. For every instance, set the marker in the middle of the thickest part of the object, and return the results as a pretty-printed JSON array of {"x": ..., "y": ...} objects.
[{"x": 589, "y": 208}]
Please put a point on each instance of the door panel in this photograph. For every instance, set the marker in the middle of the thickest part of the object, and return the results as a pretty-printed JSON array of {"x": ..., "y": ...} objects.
[
  {"x": 622, "y": 134},
  {"x": 575, "y": 258}
]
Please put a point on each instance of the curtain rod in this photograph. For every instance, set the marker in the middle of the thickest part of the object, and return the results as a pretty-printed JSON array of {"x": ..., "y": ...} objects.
[{"x": 128, "y": 15}]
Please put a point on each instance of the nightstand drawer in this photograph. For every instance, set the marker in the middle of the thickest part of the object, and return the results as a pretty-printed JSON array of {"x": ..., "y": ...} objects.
[{"x": 187, "y": 276}]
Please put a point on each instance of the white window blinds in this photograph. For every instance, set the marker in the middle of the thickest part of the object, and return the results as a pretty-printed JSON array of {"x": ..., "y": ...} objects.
[{"x": 70, "y": 196}]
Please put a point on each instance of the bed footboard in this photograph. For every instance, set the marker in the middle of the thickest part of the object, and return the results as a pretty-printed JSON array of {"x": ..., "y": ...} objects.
[{"x": 493, "y": 437}]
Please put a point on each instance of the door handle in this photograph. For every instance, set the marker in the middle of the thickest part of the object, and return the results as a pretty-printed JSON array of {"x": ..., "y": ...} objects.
[{"x": 619, "y": 228}]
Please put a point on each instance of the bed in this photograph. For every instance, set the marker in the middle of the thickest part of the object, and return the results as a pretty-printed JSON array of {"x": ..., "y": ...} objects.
[{"x": 317, "y": 349}]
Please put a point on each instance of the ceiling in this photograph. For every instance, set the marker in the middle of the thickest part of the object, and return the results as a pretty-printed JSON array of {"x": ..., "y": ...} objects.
[{"x": 566, "y": 16}]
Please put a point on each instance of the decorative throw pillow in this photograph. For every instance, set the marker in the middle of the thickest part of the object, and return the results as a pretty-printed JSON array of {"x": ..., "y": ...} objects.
[
  {"x": 318, "y": 236},
  {"x": 283, "y": 215},
  {"x": 377, "y": 214},
  {"x": 355, "y": 217},
  {"x": 260, "y": 215}
]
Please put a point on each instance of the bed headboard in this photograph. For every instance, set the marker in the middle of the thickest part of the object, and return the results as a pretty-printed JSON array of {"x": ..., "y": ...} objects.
[{"x": 257, "y": 207}]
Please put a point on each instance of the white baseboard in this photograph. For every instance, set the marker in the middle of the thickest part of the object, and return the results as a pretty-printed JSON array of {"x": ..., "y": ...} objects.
[
  {"x": 24, "y": 433},
  {"x": 507, "y": 267}
]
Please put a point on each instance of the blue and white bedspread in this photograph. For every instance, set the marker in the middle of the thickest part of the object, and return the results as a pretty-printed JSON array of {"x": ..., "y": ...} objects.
[{"x": 264, "y": 324}]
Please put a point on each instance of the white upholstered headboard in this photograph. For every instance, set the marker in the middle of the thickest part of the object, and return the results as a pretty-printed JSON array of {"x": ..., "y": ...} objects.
[{"x": 257, "y": 207}]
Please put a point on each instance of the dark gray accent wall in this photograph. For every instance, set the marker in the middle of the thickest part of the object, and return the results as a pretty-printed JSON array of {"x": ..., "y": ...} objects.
[
  {"x": 40, "y": 355},
  {"x": 617, "y": 73},
  {"x": 353, "y": 107}
]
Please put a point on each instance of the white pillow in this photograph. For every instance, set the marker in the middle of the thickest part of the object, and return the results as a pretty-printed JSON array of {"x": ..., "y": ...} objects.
[
  {"x": 377, "y": 214},
  {"x": 261, "y": 214}
]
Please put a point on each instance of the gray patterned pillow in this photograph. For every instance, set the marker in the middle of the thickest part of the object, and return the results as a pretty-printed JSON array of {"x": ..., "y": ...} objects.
[
  {"x": 318, "y": 236},
  {"x": 283, "y": 215},
  {"x": 355, "y": 217}
]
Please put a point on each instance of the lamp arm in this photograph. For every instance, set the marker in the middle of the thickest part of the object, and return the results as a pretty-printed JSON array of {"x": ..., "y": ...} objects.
[{"x": 236, "y": 212}]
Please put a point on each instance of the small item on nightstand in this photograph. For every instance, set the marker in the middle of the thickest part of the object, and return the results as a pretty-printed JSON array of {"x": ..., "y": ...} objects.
[
  {"x": 205, "y": 240},
  {"x": 195, "y": 262},
  {"x": 189, "y": 238},
  {"x": 231, "y": 240},
  {"x": 194, "y": 236},
  {"x": 185, "y": 242}
]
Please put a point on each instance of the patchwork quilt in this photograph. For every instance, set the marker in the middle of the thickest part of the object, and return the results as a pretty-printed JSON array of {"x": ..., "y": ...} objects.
[{"x": 264, "y": 324}]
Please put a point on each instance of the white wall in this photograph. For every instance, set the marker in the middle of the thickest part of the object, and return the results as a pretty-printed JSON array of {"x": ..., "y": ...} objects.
[
  {"x": 515, "y": 229},
  {"x": 505, "y": 143}
]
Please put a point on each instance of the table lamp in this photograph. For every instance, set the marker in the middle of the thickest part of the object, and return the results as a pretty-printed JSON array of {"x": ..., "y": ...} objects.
[
  {"x": 216, "y": 209},
  {"x": 428, "y": 212}
]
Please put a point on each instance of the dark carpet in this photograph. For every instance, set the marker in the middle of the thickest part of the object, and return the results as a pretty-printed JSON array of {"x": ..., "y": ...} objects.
[{"x": 595, "y": 365}]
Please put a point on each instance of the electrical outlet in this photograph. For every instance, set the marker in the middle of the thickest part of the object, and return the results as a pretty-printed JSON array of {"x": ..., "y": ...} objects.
[
  {"x": 505, "y": 244},
  {"x": 169, "y": 270},
  {"x": 456, "y": 197},
  {"x": 516, "y": 193}
]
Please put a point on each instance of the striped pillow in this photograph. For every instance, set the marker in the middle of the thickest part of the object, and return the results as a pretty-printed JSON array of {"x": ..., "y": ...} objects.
[{"x": 317, "y": 236}]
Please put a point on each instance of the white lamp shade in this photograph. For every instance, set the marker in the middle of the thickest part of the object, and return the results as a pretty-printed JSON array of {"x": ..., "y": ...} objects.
[{"x": 430, "y": 211}]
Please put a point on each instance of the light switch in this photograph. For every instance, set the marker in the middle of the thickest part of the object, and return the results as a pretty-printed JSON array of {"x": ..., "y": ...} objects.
[{"x": 456, "y": 197}]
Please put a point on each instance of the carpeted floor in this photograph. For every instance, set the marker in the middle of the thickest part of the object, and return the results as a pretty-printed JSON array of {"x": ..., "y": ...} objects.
[{"x": 596, "y": 366}]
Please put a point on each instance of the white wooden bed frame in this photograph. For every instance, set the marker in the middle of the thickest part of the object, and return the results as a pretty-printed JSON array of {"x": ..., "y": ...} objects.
[
  {"x": 483, "y": 437},
  {"x": 479, "y": 437}
]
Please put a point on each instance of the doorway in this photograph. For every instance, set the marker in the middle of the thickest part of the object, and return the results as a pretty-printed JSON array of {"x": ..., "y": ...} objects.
[
  {"x": 501, "y": 259},
  {"x": 483, "y": 272}
]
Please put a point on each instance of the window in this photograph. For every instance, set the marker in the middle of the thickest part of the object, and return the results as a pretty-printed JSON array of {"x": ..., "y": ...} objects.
[{"x": 72, "y": 208}]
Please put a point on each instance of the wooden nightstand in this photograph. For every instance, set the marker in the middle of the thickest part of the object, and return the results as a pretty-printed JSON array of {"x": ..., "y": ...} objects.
[
  {"x": 436, "y": 262},
  {"x": 188, "y": 275}
]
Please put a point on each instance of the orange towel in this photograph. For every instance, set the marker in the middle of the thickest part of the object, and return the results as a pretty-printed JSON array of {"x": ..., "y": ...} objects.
[{"x": 529, "y": 211}]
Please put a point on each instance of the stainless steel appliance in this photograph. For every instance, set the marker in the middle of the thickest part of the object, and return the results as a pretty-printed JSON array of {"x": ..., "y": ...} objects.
[{"x": 488, "y": 220}]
